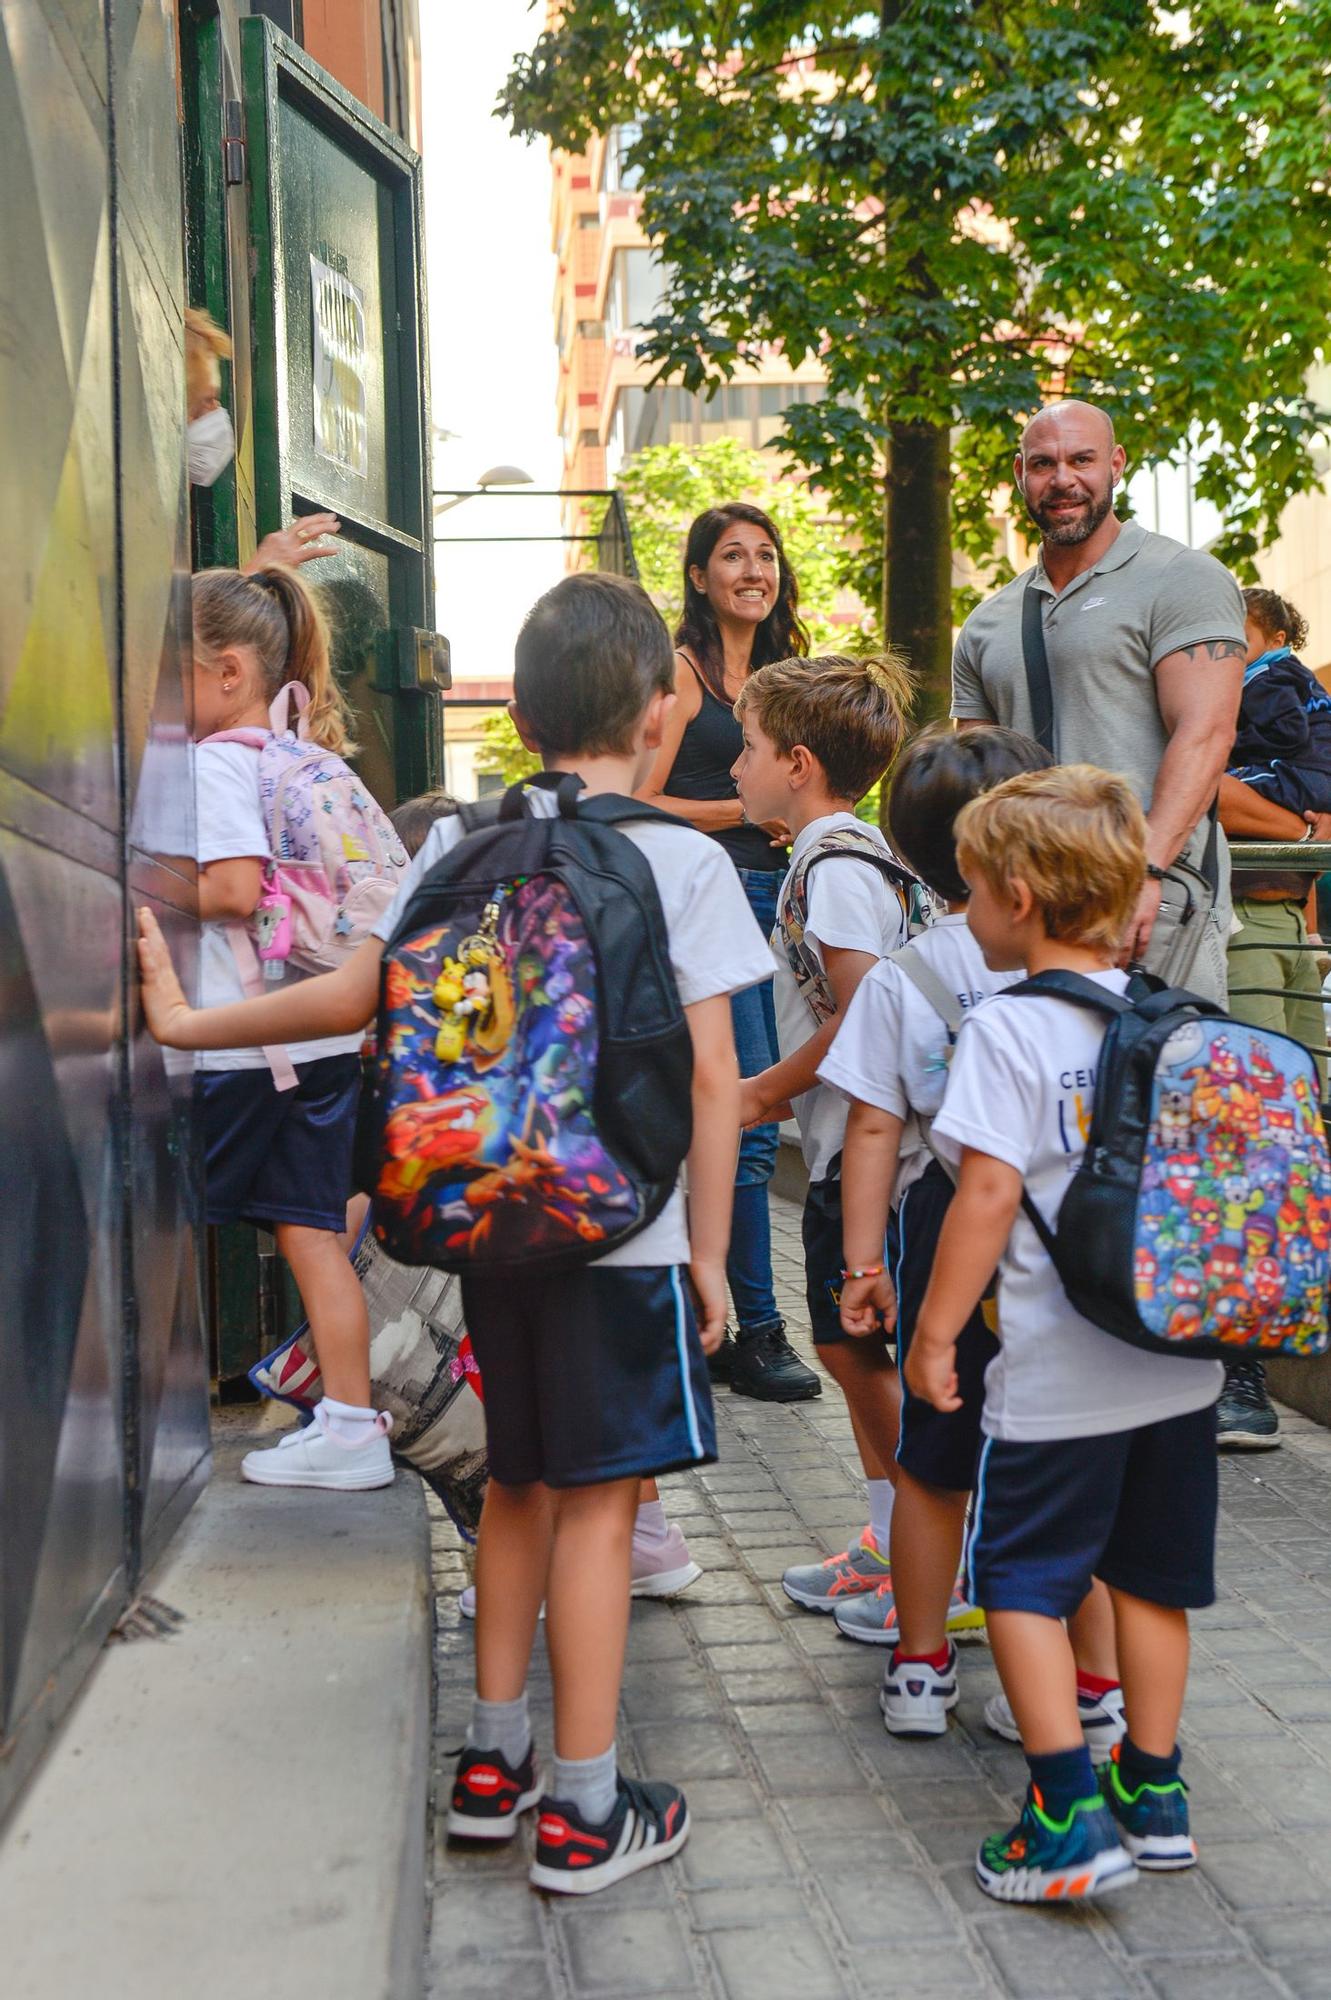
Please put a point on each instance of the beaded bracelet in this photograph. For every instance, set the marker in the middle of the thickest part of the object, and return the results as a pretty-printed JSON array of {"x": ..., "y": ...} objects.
[{"x": 869, "y": 1271}]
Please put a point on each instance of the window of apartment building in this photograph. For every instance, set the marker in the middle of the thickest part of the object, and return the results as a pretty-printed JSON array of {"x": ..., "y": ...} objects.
[
  {"x": 616, "y": 178},
  {"x": 746, "y": 411},
  {"x": 591, "y": 329},
  {"x": 636, "y": 289}
]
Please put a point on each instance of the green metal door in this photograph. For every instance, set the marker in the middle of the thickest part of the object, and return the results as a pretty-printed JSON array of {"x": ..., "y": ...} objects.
[{"x": 340, "y": 405}]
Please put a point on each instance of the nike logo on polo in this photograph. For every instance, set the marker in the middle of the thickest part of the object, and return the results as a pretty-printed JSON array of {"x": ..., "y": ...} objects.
[{"x": 1090, "y": 603}]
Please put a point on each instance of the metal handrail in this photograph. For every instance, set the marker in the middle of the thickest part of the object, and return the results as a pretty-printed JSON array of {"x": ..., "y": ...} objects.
[{"x": 1260, "y": 857}]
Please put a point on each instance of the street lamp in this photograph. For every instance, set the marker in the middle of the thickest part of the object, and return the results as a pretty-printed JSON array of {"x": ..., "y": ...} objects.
[{"x": 497, "y": 476}]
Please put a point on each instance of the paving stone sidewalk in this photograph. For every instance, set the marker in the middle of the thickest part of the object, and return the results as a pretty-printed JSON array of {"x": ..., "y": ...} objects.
[{"x": 827, "y": 1859}]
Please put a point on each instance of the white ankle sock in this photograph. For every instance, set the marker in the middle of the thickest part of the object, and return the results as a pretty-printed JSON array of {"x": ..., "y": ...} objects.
[
  {"x": 347, "y": 1422},
  {"x": 881, "y": 1494},
  {"x": 651, "y": 1524},
  {"x": 503, "y": 1726},
  {"x": 588, "y": 1783}
]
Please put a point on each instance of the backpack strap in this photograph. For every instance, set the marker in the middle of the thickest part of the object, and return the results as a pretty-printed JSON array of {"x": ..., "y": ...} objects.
[
  {"x": 792, "y": 921},
  {"x": 1039, "y": 687},
  {"x": 913, "y": 965},
  {"x": 279, "y": 713},
  {"x": 1073, "y": 986},
  {"x": 251, "y": 978},
  {"x": 253, "y": 739}
]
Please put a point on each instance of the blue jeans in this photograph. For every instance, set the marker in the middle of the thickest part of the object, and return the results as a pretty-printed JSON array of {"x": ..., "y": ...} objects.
[{"x": 753, "y": 1012}]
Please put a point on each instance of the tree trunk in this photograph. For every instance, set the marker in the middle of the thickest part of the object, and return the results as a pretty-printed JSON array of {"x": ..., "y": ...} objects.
[{"x": 917, "y": 566}]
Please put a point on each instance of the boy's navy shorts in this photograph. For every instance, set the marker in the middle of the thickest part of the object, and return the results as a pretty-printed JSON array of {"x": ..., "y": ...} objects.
[
  {"x": 937, "y": 1447},
  {"x": 821, "y": 1229},
  {"x": 275, "y": 1155},
  {"x": 589, "y": 1375},
  {"x": 1136, "y": 1508}
]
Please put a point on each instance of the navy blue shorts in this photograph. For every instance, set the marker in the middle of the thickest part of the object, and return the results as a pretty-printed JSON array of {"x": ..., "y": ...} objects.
[
  {"x": 275, "y": 1155},
  {"x": 589, "y": 1375},
  {"x": 1136, "y": 1508},
  {"x": 937, "y": 1447},
  {"x": 821, "y": 1229}
]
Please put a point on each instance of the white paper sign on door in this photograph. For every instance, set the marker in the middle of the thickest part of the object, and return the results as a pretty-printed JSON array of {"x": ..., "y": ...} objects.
[{"x": 341, "y": 432}]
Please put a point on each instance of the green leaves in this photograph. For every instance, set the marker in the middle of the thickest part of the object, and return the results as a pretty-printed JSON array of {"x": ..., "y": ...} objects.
[{"x": 964, "y": 207}]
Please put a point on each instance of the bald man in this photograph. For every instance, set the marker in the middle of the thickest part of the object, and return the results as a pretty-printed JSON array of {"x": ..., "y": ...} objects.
[{"x": 1145, "y": 645}]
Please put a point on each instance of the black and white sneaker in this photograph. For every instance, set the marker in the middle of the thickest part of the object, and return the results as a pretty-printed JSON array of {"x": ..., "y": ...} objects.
[
  {"x": 576, "y": 1858},
  {"x": 1246, "y": 1419},
  {"x": 490, "y": 1794}
]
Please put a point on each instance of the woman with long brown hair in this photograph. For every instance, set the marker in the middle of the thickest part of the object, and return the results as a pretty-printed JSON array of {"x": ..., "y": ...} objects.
[{"x": 741, "y": 610}]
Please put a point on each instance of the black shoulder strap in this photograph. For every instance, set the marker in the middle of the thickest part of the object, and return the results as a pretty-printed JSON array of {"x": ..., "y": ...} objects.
[
  {"x": 477, "y": 813},
  {"x": 1073, "y": 986},
  {"x": 612, "y": 809},
  {"x": 886, "y": 864},
  {"x": 1038, "y": 684}
]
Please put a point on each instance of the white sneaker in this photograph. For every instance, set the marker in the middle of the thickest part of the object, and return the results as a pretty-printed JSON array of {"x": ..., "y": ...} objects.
[
  {"x": 1103, "y": 1723},
  {"x": 662, "y": 1568},
  {"x": 915, "y": 1697},
  {"x": 316, "y": 1456},
  {"x": 467, "y": 1602}
]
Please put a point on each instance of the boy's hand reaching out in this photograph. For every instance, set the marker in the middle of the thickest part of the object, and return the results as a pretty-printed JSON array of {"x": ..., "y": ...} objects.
[
  {"x": 867, "y": 1304},
  {"x": 708, "y": 1280},
  {"x": 165, "y": 1008}
]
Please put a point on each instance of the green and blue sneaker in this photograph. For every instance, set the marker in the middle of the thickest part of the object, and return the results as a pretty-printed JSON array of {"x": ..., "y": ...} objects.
[
  {"x": 1044, "y": 1859},
  {"x": 1152, "y": 1819}
]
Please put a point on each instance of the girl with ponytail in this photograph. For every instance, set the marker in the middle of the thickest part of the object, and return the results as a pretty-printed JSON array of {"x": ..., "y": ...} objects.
[{"x": 280, "y": 1158}]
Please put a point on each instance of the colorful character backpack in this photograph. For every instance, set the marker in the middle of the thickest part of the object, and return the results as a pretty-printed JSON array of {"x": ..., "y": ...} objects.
[
  {"x": 856, "y": 844},
  {"x": 1199, "y": 1222},
  {"x": 532, "y": 1083}
]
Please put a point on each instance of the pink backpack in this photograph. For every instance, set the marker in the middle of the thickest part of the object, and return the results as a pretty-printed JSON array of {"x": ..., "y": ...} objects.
[{"x": 335, "y": 862}]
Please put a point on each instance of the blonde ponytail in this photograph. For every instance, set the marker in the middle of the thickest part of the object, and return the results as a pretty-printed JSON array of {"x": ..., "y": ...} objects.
[{"x": 277, "y": 614}]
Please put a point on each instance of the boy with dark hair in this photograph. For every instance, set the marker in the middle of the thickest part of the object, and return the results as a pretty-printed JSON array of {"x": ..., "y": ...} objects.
[
  {"x": 891, "y": 1058},
  {"x": 1099, "y": 1459},
  {"x": 594, "y": 1377},
  {"x": 817, "y": 735}
]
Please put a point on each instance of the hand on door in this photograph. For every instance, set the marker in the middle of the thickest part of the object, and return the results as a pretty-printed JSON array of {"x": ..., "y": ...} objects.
[{"x": 303, "y": 541}]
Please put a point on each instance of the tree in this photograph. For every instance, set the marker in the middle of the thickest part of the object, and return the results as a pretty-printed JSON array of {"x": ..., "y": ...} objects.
[
  {"x": 664, "y": 487},
  {"x": 667, "y": 485},
  {"x": 964, "y": 208}
]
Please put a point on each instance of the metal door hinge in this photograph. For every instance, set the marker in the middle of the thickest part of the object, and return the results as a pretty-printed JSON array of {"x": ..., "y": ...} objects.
[{"x": 233, "y": 143}]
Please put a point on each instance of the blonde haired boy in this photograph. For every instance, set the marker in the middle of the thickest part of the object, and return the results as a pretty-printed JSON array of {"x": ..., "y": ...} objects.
[{"x": 1099, "y": 1459}]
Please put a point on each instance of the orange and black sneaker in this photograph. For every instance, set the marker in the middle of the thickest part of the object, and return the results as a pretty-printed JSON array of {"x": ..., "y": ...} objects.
[
  {"x": 489, "y": 1794},
  {"x": 1046, "y": 1858},
  {"x": 576, "y": 1857}
]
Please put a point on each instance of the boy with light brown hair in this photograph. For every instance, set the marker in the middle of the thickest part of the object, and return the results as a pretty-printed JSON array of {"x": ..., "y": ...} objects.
[{"x": 818, "y": 734}]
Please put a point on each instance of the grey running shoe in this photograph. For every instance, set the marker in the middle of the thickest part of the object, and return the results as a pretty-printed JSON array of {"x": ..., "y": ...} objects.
[{"x": 822, "y": 1586}]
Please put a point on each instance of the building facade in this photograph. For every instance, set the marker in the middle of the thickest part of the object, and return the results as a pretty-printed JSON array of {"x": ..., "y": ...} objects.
[
  {"x": 157, "y": 155},
  {"x": 607, "y": 288}
]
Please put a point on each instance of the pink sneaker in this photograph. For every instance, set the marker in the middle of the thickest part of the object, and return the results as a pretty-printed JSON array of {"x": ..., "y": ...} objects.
[{"x": 662, "y": 1568}]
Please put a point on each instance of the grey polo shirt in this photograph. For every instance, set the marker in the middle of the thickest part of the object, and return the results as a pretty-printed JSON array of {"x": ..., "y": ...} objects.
[{"x": 1105, "y": 634}]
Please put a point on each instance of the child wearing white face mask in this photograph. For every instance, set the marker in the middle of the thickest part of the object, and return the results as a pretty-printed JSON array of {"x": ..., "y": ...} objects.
[{"x": 210, "y": 445}]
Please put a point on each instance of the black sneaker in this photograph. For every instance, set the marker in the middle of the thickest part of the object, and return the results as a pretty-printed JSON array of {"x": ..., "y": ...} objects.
[
  {"x": 576, "y": 1858},
  {"x": 489, "y": 1794},
  {"x": 1245, "y": 1419},
  {"x": 721, "y": 1362},
  {"x": 765, "y": 1365}
]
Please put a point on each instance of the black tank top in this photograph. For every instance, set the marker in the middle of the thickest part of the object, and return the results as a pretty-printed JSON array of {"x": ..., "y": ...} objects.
[{"x": 708, "y": 749}]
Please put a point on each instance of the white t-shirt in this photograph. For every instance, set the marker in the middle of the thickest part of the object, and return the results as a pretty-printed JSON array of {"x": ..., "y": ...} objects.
[
  {"x": 852, "y": 907},
  {"x": 893, "y": 1051},
  {"x": 229, "y": 826},
  {"x": 715, "y": 947},
  {"x": 1020, "y": 1088}
]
